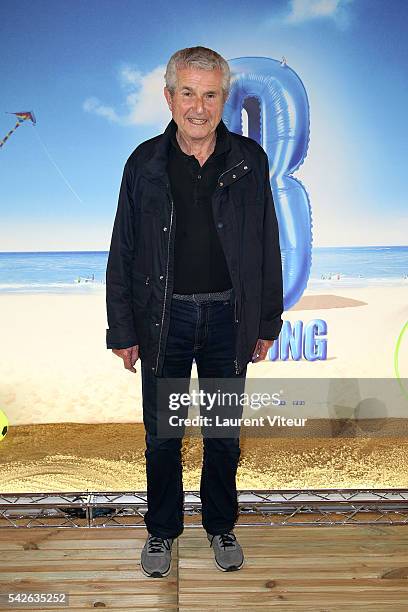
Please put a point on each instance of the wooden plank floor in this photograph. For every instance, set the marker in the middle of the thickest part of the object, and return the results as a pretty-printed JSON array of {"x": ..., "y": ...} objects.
[{"x": 286, "y": 568}]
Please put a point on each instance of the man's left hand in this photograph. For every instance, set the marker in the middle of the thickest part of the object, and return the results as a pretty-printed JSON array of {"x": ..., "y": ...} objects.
[{"x": 261, "y": 349}]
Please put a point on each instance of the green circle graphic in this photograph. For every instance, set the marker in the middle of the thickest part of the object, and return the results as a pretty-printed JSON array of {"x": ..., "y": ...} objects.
[{"x": 396, "y": 355}]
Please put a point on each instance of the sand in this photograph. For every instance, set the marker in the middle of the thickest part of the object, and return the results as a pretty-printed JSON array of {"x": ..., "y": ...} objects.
[
  {"x": 55, "y": 367},
  {"x": 110, "y": 457}
]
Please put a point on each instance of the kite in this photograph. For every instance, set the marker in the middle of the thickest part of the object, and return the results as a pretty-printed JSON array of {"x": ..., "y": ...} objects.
[
  {"x": 21, "y": 117},
  {"x": 29, "y": 116}
]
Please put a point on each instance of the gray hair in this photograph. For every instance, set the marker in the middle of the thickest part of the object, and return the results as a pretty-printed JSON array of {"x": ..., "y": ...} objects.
[{"x": 197, "y": 57}]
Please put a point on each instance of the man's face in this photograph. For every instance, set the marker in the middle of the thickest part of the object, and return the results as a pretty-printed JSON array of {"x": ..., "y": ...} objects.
[{"x": 197, "y": 103}]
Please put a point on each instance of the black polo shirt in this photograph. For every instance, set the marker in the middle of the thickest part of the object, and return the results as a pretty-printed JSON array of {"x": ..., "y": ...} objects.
[{"x": 199, "y": 261}]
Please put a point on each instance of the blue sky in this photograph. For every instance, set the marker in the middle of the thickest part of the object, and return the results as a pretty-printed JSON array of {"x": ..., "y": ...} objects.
[{"x": 92, "y": 72}]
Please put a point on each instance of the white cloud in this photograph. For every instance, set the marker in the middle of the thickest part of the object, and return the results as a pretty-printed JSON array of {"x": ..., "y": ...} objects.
[
  {"x": 305, "y": 10},
  {"x": 145, "y": 103},
  {"x": 93, "y": 105},
  {"x": 131, "y": 77}
]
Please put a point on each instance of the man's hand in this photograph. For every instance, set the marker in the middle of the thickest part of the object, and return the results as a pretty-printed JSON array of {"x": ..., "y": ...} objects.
[
  {"x": 261, "y": 349},
  {"x": 129, "y": 355}
]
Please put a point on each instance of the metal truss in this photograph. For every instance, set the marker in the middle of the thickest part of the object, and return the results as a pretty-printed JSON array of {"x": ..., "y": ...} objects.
[
  {"x": 317, "y": 507},
  {"x": 312, "y": 507}
]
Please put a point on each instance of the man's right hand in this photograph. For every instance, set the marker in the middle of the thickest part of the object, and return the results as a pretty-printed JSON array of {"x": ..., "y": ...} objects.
[{"x": 129, "y": 355}]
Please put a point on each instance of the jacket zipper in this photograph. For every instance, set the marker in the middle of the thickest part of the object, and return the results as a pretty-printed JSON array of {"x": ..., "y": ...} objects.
[
  {"x": 165, "y": 287},
  {"x": 235, "y": 304},
  {"x": 225, "y": 171},
  {"x": 236, "y": 314},
  {"x": 236, "y": 321}
]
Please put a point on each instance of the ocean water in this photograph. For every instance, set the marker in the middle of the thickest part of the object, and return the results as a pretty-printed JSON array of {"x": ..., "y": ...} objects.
[
  {"x": 53, "y": 272},
  {"x": 84, "y": 271},
  {"x": 358, "y": 266}
]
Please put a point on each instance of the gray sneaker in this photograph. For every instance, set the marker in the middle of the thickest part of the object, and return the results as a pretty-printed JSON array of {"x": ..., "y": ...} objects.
[
  {"x": 155, "y": 560},
  {"x": 228, "y": 555}
]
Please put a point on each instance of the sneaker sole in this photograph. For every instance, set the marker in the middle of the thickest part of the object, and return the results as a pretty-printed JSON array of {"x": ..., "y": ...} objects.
[
  {"x": 232, "y": 568},
  {"x": 155, "y": 574}
]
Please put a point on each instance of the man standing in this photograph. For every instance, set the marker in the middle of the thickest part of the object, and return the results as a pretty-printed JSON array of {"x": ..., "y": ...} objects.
[{"x": 194, "y": 272}]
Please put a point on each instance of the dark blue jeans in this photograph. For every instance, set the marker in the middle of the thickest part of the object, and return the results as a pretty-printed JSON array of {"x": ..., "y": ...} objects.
[{"x": 206, "y": 332}]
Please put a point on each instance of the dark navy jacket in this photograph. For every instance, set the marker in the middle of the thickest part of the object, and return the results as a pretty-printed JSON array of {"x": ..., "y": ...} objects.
[{"x": 140, "y": 269}]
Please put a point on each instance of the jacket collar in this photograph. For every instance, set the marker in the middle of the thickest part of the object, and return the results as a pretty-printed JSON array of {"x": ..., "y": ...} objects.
[{"x": 155, "y": 169}]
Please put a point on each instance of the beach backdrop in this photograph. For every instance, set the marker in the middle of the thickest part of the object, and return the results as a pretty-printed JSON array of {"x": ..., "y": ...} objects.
[{"x": 60, "y": 174}]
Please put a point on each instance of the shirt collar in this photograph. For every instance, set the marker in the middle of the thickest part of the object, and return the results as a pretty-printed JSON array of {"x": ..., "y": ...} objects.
[{"x": 221, "y": 144}]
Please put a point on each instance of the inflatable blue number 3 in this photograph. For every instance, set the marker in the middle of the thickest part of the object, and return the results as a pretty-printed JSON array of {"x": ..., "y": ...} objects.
[{"x": 268, "y": 103}]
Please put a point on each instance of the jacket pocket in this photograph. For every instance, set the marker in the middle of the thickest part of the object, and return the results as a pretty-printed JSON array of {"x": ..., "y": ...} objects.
[
  {"x": 151, "y": 198},
  {"x": 252, "y": 289},
  {"x": 141, "y": 290},
  {"x": 245, "y": 192}
]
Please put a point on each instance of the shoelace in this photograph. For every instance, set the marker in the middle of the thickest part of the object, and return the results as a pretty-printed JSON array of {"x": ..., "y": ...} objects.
[
  {"x": 227, "y": 540},
  {"x": 157, "y": 545}
]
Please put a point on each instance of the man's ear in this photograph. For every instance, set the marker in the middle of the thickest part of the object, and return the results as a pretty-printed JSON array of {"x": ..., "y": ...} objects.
[{"x": 167, "y": 95}]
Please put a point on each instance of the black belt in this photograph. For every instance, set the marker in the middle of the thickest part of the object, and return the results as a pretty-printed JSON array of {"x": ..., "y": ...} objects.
[{"x": 205, "y": 297}]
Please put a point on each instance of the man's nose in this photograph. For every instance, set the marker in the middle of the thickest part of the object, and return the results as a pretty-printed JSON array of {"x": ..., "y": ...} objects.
[{"x": 199, "y": 104}]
